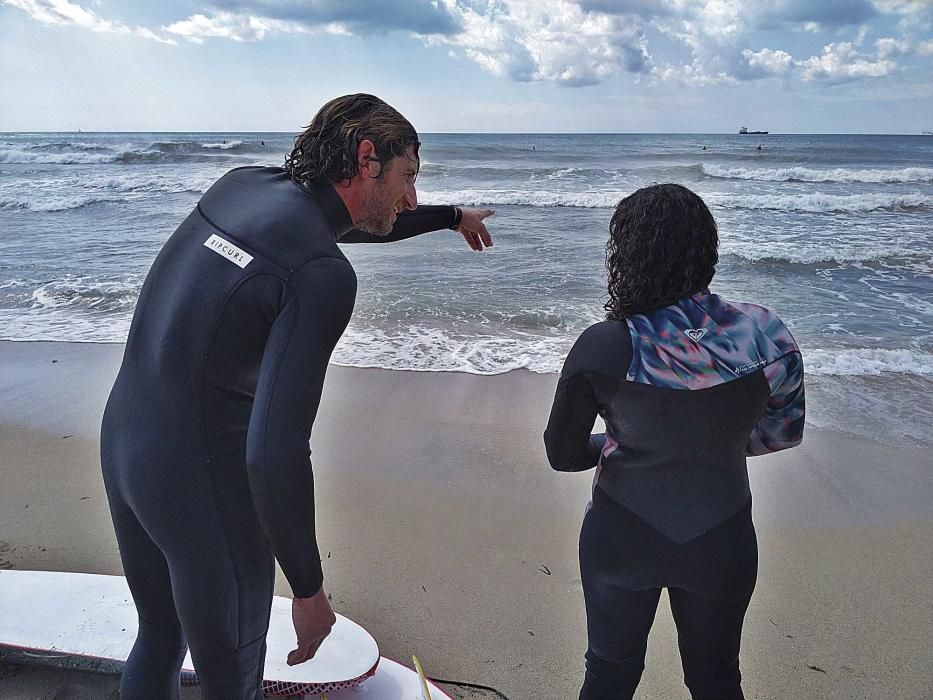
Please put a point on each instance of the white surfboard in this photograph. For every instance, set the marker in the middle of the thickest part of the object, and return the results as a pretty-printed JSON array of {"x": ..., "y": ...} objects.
[{"x": 90, "y": 621}]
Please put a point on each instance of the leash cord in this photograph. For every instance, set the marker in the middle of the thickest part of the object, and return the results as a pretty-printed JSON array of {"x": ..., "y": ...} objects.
[{"x": 464, "y": 684}]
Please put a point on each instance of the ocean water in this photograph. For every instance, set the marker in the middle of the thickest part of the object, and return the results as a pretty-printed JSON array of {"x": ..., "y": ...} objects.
[{"x": 834, "y": 232}]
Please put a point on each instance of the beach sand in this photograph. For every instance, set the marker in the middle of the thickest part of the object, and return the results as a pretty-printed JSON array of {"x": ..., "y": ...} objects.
[{"x": 444, "y": 532}]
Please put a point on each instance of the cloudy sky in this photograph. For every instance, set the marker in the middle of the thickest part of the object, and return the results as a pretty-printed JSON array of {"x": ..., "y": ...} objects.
[{"x": 837, "y": 66}]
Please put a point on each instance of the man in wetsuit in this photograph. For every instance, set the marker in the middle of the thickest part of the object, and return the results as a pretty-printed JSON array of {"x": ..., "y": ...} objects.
[{"x": 205, "y": 438}]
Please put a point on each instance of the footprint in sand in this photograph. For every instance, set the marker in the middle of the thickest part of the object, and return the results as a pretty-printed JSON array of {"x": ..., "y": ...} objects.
[{"x": 5, "y": 563}]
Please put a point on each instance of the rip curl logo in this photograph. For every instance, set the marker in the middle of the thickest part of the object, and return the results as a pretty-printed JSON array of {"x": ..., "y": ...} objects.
[
  {"x": 231, "y": 252},
  {"x": 695, "y": 334}
]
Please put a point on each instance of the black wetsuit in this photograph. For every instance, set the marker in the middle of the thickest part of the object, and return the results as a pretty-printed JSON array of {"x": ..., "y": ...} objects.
[
  {"x": 205, "y": 438},
  {"x": 686, "y": 392}
]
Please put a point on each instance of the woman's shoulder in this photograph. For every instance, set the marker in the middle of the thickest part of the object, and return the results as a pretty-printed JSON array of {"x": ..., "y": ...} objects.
[
  {"x": 604, "y": 331},
  {"x": 765, "y": 320},
  {"x": 603, "y": 348}
]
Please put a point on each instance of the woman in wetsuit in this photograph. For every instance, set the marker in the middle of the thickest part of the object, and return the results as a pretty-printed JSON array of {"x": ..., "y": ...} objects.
[{"x": 689, "y": 385}]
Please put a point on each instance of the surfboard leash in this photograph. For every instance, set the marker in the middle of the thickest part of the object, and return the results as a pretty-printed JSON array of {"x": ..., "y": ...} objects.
[{"x": 474, "y": 686}]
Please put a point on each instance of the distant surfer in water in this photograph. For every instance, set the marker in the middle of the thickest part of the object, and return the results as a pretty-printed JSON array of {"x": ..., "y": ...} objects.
[
  {"x": 204, "y": 442},
  {"x": 689, "y": 385}
]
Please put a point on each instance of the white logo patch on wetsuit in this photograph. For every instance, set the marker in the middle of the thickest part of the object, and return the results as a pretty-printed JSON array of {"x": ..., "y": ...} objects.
[{"x": 228, "y": 250}]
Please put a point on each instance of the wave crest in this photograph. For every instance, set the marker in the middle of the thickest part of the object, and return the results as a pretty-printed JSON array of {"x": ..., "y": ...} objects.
[
  {"x": 816, "y": 202},
  {"x": 800, "y": 174},
  {"x": 19, "y": 156},
  {"x": 867, "y": 361},
  {"x": 87, "y": 293}
]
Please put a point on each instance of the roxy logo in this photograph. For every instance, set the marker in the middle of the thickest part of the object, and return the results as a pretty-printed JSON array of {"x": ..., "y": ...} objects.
[
  {"x": 235, "y": 255},
  {"x": 695, "y": 334}
]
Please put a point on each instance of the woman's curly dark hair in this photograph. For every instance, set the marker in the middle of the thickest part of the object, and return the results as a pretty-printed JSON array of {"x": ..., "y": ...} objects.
[
  {"x": 662, "y": 247},
  {"x": 326, "y": 151}
]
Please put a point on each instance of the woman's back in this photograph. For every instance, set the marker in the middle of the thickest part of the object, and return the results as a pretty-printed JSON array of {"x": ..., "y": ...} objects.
[{"x": 687, "y": 391}]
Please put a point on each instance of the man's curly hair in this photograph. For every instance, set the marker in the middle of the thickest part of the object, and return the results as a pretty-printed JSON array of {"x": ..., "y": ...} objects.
[
  {"x": 662, "y": 247},
  {"x": 326, "y": 151}
]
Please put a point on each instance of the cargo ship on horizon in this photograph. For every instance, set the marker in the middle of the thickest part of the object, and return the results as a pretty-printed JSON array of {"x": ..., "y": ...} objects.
[{"x": 744, "y": 130}]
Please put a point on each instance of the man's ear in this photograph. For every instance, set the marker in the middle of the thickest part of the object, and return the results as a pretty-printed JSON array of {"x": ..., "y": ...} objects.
[{"x": 370, "y": 167}]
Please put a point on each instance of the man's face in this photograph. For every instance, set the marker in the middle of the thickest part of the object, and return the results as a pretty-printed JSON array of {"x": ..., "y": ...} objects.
[{"x": 392, "y": 192}]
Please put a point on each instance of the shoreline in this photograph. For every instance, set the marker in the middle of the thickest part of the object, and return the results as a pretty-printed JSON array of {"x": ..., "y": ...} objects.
[
  {"x": 881, "y": 407},
  {"x": 445, "y": 533}
]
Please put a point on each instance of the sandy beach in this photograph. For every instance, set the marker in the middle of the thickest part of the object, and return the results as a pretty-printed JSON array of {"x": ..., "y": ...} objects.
[{"x": 447, "y": 535}]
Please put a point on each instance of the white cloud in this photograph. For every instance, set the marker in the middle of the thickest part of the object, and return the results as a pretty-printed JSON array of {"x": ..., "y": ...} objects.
[
  {"x": 717, "y": 33},
  {"x": 889, "y": 47},
  {"x": 64, "y": 13},
  {"x": 236, "y": 27},
  {"x": 546, "y": 40},
  {"x": 692, "y": 75},
  {"x": 838, "y": 63},
  {"x": 767, "y": 63},
  {"x": 355, "y": 16},
  {"x": 841, "y": 62}
]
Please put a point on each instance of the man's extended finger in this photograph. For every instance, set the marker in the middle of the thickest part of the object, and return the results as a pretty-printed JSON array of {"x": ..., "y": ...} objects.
[
  {"x": 484, "y": 235},
  {"x": 296, "y": 656},
  {"x": 468, "y": 237},
  {"x": 304, "y": 652}
]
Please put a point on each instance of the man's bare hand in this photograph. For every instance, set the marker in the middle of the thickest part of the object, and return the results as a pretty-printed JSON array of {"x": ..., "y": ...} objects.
[
  {"x": 473, "y": 229},
  {"x": 313, "y": 620}
]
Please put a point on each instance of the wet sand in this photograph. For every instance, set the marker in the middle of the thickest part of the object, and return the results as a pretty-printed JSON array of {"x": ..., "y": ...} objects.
[{"x": 445, "y": 533}]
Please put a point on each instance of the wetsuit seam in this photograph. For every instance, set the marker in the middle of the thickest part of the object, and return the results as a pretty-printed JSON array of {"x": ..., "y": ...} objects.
[
  {"x": 280, "y": 357},
  {"x": 315, "y": 258},
  {"x": 274, "y": 380},
  {"x": 776, "y": 359},
  {"x": 657, "y": 530},
  {"x": 240, "y": 241},
  {"x": 207, "y": 442}
]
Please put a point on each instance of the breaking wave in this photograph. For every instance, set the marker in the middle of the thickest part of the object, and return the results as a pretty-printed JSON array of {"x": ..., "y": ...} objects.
[
  {"x": 60, "y": 194},
  {"x": 79, "y": 153},
  {"x": 867, "y": 361},
  {"x": 799, "y": 174},
  {"x": 815, "y": 202}
]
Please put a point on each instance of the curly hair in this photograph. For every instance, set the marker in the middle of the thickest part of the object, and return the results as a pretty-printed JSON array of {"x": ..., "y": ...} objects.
[
  {"x": 326, "y": 152},
  {"x": 663, "y": 246}
]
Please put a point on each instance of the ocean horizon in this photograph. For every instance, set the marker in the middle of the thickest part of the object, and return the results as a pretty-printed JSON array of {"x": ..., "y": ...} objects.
[
  {"x": 14, "y": 132},
  {"x": 834, "y": 232}
]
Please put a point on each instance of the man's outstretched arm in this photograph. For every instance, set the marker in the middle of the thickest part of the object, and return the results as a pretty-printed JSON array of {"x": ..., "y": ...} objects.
[{"x": 427, "y": 218}]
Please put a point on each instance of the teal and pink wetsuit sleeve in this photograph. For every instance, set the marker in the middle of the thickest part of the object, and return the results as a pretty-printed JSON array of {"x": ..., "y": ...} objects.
[{"x": 781, "y": 427}]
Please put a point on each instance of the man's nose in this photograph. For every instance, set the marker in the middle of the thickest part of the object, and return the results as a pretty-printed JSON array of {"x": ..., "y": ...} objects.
[{"x": 411, "y": 197}]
